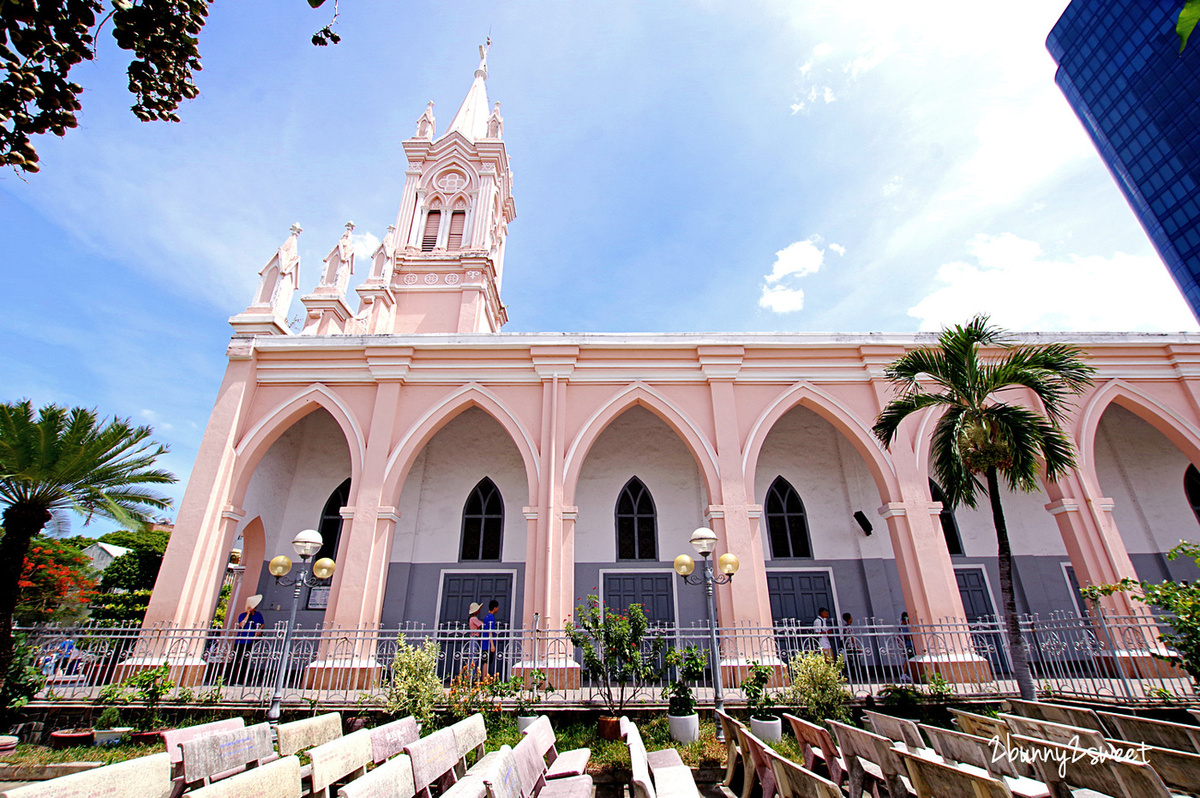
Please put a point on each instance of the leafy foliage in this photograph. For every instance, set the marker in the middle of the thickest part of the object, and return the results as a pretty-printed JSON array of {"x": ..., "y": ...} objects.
[
  {"x": 525, "y": 689},
  {"x": 1189, "y": 15},
  {"x": 759, "y": 699},
  {"x": 1181, "y": 600},
  {"x": 150, "y": 686},
  {"x": 24, "y": 680},
  {"x": 474, "y": 690},
  {"x": 612, "y": 650},
  {"x": 120, "y": 608},
  {"x": 818, "y": 690},
  {"x": 689, "y": 663},
  {"x": 56, "y": 584},
  {"x": 415, "y": 688}
]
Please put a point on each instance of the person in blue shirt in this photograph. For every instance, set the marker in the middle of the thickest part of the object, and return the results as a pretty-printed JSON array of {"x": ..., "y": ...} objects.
[
  {"x": 489, "y": 637},
  {"x": 249, "y": 626}
]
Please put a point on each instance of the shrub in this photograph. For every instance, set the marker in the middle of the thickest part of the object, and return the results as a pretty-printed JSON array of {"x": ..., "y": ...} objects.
[
  {"x": 818, "y": 689},
  {"x": 415, "y": 688},
  {"x": 689, "y": 665},
  {"x": 759, "y": 700},
  {"x": 23, "y": 681},
  {"x": 612, "y": 650}
]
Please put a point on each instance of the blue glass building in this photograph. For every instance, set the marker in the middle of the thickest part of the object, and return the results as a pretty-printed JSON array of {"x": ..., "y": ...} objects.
[{"x": 1120, "y": 68}]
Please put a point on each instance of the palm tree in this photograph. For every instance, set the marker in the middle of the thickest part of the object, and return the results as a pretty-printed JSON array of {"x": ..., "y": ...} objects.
[
  {"x": 67, "y": 459},
  {"x": 980, "y": 435}
]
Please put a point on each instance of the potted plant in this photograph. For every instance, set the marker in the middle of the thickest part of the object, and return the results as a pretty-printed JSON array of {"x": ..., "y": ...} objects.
[
  {"x": 681, "y": 703},
  {"x": 526, "y": 691},
  {"x": 150, "y": 685},
  {"x": 613, "y": 658},
  {"x": 109, "y": 729},
  {"x": 764, "y": 723}
]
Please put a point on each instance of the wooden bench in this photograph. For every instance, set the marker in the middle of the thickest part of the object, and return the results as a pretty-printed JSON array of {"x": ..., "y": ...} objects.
[
  {"x": 390, "y": 738},
  {"x": 338, "y": 760},
  {"x": 817, "y": 745},
  {"x": 434, "y": 758},
  {"x": 797, "y": 782},
  {"x": 866, "y": 752},
  {"x": 933, "y": 779},
  {"x": 175, "y": 737},
  {"x": 218, "y": 755},
  {"x": 1062, "y": 767},
  {"x": 303, "y": 734},
  {"x": 1159, "y": 733},
  {"x": 568, "y": 763},
  {"x": 143, "y": 777},
  {"x": 981, "y": 726},
  {"x": 1179, "y": 770},
  {"x": 279, "y": 779},
  {"x": 392, "y": 779},
  {"x": 1059, "y": 733},
  {"x": 658, "y": 775},
  {"x": 992, "y": 760},
  {"x": 899, "y": 730},
  {"x": 733, "y": 748},
  {"x": 756, "y": 753},
  {"x": 1058, "y": 713},
  {"x": 470, "y": 734}
]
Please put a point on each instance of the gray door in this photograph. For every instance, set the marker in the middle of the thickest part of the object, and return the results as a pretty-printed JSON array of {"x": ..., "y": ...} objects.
[
  {"x": 796, "y": 597},
  {"x": 651, "y": 590},
  {"x": 458, "y": 591},
  {"x": 977, "y": 604}
]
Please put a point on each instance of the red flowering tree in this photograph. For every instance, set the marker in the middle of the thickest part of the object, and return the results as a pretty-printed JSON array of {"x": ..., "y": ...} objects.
[{"x": 56, "y": 583}]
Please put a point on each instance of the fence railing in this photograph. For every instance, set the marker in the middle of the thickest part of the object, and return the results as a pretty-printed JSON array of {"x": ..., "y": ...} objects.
[{"x": 1103, "y": 657}]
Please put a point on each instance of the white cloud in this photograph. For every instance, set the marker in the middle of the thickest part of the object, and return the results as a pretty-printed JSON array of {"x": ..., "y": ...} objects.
[
  {"x": 838, "y": 248},
  {"x": 780, "y": 292},
  {"x": 1021, "y": 288},
  {"x": 893, "y": 186},
  {"x": 781, "y": 299},
  {"x": 364, "y": 245}
]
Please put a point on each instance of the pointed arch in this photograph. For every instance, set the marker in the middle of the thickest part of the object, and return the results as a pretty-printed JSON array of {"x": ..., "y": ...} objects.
[
  {"x": 254, "y": 444},
  {"x": 841, "y": 417},
  {"x": 640, "y": 394},
  {"x": 636, "y": 522},
  {"x": 439, "y": 415},
  {"x": 482, "y": 523},
  {"x": 786, "y": 522},
  {"x": 329, "y": 525},
  {"x": 1173, "y": 426}
]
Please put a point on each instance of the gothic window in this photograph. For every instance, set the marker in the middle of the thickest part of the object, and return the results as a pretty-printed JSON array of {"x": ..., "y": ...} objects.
[
  {"x": 637, "y": 523},
  {"x": 787, "y": 523},
  {"x": 330, "y": 525},
  {"x": 1191, "y": 486},
  {"x": 433, "y": 221},
  {"x": 949, "y": 522},
  {"x": 482, "y": 522},
  {"x": 458, "y": 220}
]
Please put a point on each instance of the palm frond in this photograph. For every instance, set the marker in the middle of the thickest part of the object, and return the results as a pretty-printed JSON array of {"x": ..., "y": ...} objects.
[{"x": 901, "y": 408}]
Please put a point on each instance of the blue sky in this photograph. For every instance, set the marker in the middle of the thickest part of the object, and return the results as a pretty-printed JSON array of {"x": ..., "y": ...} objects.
[{"x": 689, "y": 166}]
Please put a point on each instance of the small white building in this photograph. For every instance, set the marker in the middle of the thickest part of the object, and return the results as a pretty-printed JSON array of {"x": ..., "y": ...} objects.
[{"x": 102, "y": 554}]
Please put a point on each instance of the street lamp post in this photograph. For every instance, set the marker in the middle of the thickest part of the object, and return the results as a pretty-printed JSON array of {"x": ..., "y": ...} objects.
[
  {"x": 704, "y": 540},
  {"x": 306, "y": 544}
]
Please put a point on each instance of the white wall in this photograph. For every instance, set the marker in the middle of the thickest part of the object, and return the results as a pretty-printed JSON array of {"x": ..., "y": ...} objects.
[
  {"x": 1031, "y": 530},
  {"x": 1142, "y": 472},
  {"x": 832, "y": 480},
  {"x": 637, "y": 443},
  {"x": 470, "y": 447}
]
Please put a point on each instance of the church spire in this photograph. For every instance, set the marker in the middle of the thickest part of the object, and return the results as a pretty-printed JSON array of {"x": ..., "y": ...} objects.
[{"x": 472, "y": 117}]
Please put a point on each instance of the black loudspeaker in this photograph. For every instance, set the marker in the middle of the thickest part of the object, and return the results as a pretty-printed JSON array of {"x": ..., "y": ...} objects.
[{"x": 863, "y": 522}]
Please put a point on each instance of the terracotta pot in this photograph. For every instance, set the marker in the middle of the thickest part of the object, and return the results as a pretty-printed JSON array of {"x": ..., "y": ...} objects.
[
  {"x": 69, "y": 738},
  {"x": 609, "y": 728}
]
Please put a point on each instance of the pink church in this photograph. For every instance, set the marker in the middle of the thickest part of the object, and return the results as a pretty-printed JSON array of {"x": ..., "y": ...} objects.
[{"x": 445, "y": 461}]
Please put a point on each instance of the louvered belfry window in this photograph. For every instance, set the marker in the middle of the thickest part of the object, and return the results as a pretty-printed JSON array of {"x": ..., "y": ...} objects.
[
  {"x": 429, "y": 239},
  {"x": 458, "y": 221}
]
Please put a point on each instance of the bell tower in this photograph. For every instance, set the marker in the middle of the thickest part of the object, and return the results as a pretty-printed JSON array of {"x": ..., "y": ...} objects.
[{"x": 446, "y": 251}]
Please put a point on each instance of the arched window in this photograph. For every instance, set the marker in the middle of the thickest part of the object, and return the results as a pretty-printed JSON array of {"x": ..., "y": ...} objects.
[
  {"x": 483, "y": 522},
  {"x": 949, "y": 523},
  {"x": 1191, "y": 486},
  {"x": 330, "y": 526},
  {"x": 787, "y": 523},
  {"x": 637, "y": 523}
]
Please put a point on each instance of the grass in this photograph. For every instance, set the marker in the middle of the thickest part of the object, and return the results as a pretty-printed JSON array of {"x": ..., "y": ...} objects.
[{"x": 108, "y": 754}]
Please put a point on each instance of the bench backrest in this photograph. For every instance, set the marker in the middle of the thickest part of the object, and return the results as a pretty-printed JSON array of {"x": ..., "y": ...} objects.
[
  {"x": 1161, "y": 733},
  {"x": 1179, "y": 770},
  {"x": 795, "y": 782},
  {"x": 756, "y": 750},
  {"x": 981, "y": 725},
  {"x": 223, "y": 753},
  {"x": 930, "y": 778},
  {"x": 1059, "y": 766},
  {"x": 1058, "y": 713},
  {"x": 303, "y": 734},
  {"x": 898, "y": 730},
  {"x": 870, "y": 746},
  {"x": 143, "y": 777},
  {"x": 280, "y": 779},
  {"x": 469, "y": 735},
  {"x": 390, "y": 738},
  {"x": 174, "y": 737},
  {"x": 543, "y": 735},
  {"x": 433, "y": 756},
  {"x": 733, "y": 746},
  {"x": 955, "y": 746},
  {"x": 815, "y": 738},
  {"x": 503, "y": 779},
  {"x": 392, "y": 779},
  {"x": 339, "y": 758},
  {"x": 1056, "y": 732},
  {"x": 639, "y": 767},
  {"x": 531, "y": 766}
]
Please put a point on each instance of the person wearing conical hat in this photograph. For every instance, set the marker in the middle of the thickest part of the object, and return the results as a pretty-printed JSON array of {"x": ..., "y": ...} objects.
[
  {"x": 249, "y": 626},
  {"x": 474, "y": 625}
]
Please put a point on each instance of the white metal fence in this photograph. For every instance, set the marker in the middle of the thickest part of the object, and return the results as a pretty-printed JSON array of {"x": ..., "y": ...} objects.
[{"x": 1094, "y": 657}]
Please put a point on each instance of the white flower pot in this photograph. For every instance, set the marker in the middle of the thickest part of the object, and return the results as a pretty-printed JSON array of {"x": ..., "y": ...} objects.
[
  {"x": 770, "y": 731},
  {"x": 684, "y": 728},
  {"x": 110, "y": 736},
  {"x": 524, "y": 722}
]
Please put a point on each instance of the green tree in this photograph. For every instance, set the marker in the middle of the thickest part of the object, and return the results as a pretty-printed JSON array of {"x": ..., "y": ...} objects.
[
  {"x": 42, "y": 40},
  {"x": 980, "y": 435},
  {"x": 56, "y": 584},
  {"x": 62, "y": 458}
]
